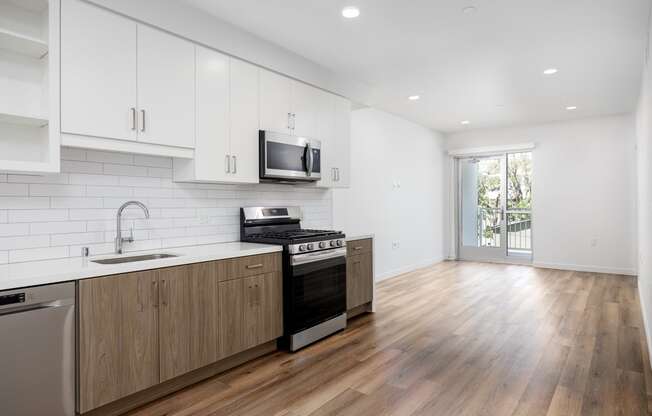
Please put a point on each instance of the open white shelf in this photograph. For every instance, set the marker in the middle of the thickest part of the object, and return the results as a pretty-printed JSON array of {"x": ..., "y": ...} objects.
[
  {"x": 23, "y": 44},
  {"x": 24, "y": 119},
  {"x": 29, "y": 74}
]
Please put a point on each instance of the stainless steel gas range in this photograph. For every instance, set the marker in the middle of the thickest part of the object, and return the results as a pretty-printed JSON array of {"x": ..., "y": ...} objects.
[{"x": 314, "y": 272}]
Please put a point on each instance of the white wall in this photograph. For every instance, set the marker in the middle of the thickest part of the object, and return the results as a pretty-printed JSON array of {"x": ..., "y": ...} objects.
[
  {"x": 644, "y": 195},
  {"x": 388, "y": 150},
  {"x": 53, "y": 216},
  {"x": 584, "y": 189}
]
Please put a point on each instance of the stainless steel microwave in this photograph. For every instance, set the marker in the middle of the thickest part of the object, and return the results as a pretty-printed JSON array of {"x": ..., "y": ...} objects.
[{"x": 285, "y": 157}]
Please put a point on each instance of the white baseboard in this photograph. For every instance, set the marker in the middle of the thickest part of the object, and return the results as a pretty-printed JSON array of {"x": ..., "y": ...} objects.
[
  {"x": 406, "y": 269},
  {"x": 584, "y": 268}
]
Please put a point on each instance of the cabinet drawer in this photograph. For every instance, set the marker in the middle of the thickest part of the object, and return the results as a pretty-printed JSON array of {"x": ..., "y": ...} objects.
[
  {"x": 358, "y": 246},
  {"x": 250, "y": 266}
]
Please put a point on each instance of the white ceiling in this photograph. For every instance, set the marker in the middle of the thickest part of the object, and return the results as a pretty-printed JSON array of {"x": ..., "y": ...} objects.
[{"x": 485, "y": 67}]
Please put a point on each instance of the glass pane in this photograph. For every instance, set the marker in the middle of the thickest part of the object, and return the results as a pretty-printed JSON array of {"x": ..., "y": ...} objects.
[
  {"x": 519, "y": 203},
  {"x": 519, "y": 181},
  {"x": 481, "y": 202},
  {"x": 519, "y": 233}
]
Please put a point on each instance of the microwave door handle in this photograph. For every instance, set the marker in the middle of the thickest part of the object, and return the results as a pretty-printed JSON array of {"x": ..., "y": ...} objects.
[{"x": 309, "y": 159}]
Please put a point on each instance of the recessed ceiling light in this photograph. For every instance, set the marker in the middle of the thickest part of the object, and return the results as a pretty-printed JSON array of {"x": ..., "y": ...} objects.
[
  {"x": 469, "y": 10},
  {"x": 571, "y": 108},
  {"x": 413, "y": 97},
  {"x": 465, "y": 122},
  {"x": 550, "y": 71},
  {"x": 350, "y": 12}
]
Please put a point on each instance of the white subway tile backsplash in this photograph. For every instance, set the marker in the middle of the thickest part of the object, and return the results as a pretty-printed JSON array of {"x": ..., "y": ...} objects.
[
  {"x": 76, "y": 238},
  {"x": 61, "y": 178},
  {"x": 110, "y": 157},
  {"x": 57, "y": 227},
  {"x": 36, "y": 215},
  {"x": 11, "y": 202},
  {"x": 55, "y": 215},
  {"x": 56, "y": 190},
  {"x": 32, "y": 254},
  {"x": 126, "y": 170},
  {"x": 13, "y": 229},
  {"x": 73, "y": 202},
  {"x": 13, "y": 189},
  {"x": 12, "y": 243},
  {"x": 153, "y": 161},
  {"x": 86, "y": 179},
  {"x": 71, "y": 166},
  {"x": 71, "y": 153}
]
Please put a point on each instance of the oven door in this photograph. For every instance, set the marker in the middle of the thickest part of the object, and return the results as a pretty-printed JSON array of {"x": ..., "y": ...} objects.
[
  {"x": 287, "y": 157},
  {"x": 317, "y": 288}
]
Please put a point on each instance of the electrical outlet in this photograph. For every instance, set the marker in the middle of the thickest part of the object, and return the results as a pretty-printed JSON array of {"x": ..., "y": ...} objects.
[
  {"x": 594, "y": 242},
  {"x": 396, "y": 245}
]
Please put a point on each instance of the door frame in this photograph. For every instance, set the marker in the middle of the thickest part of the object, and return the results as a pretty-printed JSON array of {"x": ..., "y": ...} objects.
[{"x": 501, "y": 255}]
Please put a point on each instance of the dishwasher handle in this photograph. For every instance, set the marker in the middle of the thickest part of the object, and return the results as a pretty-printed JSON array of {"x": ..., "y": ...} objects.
[{"x": 37, "y": 306}]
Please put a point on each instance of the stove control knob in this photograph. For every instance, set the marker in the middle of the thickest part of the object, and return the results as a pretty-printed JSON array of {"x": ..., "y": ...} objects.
[
  {"x": 302, "y": 247},
  {"x": 339, "y": 243},
  {"x": 333, "y": 243},
  {"x": 322, "y": 245},
  {"x": 311, "y": 246}
]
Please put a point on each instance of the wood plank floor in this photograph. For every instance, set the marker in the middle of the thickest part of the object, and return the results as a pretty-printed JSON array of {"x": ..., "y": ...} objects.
[{"x": 458, "y": 338}]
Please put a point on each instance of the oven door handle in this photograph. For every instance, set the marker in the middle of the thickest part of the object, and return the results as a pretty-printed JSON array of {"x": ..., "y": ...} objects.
[{"x": 306, "y": 258}]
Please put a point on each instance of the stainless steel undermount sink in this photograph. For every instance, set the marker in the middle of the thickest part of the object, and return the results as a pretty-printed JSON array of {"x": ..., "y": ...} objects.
[{"x": 129, "y": 259}]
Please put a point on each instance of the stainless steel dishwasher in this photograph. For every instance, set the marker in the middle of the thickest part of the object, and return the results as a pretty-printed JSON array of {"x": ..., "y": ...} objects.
[{"x": 37, "y": 351}]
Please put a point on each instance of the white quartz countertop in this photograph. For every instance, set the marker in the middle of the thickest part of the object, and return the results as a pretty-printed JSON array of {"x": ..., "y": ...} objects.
[
  {"x": 17, "y": 275},
  {"x": 359, "y": 237}
]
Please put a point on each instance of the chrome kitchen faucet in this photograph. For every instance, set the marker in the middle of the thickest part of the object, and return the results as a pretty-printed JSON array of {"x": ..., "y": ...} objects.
[{"x": 118, "y": 238}]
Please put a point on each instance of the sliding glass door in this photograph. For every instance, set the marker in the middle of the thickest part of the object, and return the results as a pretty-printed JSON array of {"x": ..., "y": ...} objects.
[{"x": 495, "y": 202}]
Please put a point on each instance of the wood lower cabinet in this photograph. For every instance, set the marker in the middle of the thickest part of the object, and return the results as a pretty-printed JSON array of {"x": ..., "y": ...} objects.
[
  {"x": 359, "y": 274},
  {"x": 118, "y": 337},
  {"x": 140, "y": 329},
  {"x": 251, "y": 312},
  {"x": 188, "y": 318}
]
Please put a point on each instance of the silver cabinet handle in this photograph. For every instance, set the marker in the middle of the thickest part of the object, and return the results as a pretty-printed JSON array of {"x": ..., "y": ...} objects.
[
  {"x": 294, "y": 121},
  {"x": 333, "y": 174},
  {"x": 338, "y": 173},
  {"x": 133, "y": 118},
  {"x": 142, "y": 125},
  {"x": 255, "y": 266},
  {"x": 289, "y": 121},
  {"x": 227, "y": 164},
  {"x": 235, "y": 166}
]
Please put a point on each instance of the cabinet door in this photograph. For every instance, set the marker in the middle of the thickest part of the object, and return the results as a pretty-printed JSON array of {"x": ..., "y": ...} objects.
[
  {"x": 188, "y": 318},
  {"x": 271, "y": 307},
  {"x": 212, "y": 123},
  {"x": 275, "y": 99},
  {"x": 359, "y": 280},
  {"x": 118, "y": 337},
  {"x": 252, "y": 310},
  {"x": 166, "y": 89},
  {"x": 342, "y": 142},
  {"x": 231, "y": 317},
  {"x": 326, "y": 126},
  {"x": 244, "y": 122},
  {"x": 305, "y": 110},
  {"x": 98, "y": 72}
]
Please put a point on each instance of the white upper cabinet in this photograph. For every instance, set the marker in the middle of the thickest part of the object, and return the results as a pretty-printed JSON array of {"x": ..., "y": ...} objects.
[
  {"x": 244, "y": 122},
  {"x": 226, "y": 123},
  {"x": 123, "y": 80},
  {"x": 211, "y": 162},
  {"x": 98, "y": 72},
  {"x": 341, "y": 160},
  {"x": 275, "y": 102},
  {"x": 306, "y": 106},
  {"x": 166, "y": 89}
]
